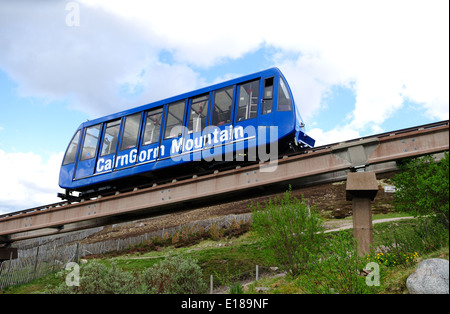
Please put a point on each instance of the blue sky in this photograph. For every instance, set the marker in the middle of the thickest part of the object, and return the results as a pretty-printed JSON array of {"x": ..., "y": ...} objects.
[{"x": 356, "y": 67}]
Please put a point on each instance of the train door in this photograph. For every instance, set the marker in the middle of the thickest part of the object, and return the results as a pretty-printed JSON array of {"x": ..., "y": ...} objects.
[
  {"x": 150, "y": 149},
  {"x": 128, "y": 150},
  {"x": 87, "y": 161},
  {"x": 172, "y": 139},
  {"x": 246, "y": 124},
  {"x": 197, "y": 115},
  {"x": 266, "y": 119},
  {"x": 220, "y": 132}
]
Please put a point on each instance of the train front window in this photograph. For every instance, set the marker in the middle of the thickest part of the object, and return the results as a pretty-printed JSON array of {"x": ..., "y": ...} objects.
[
  {"x": 223, "y": 102},
  {"x": 72, "y": 150},
  {"x": 153, "y": 126},
  {"x": 174, "y": 123},
  {"x": 131, "y": 131},
  {"x": 284, "y": 99},
  {"x": 198, "y": 112},
  {"x": 90, "y": 142},
  {"x": 248, "y": 100},
  {"x": 110, "y": 138}
]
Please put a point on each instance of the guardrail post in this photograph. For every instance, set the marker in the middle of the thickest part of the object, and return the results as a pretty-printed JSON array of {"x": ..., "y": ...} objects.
[{"x": 362, "y": 187}]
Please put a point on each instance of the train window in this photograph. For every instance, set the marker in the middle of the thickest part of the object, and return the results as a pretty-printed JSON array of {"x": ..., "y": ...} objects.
[
  {"x": 174, "y": 123},
  {"x": 198, "y": 112},
  {"x": 153, "y": 126},
  {"x": 284, "y": 99},
  {"x": 267, "y": 96},
  {"x": 248, "y": 100},
  {"x": 110, "y": 138},
  {"x": 223, "y": 102},
  {"x": 90, "y": 142},
  {"x": 131, "y": 131},
  {"x": 72, "y": 149}
]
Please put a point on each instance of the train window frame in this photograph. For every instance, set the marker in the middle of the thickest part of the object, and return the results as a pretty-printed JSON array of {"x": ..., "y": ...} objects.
[
  {"x": 150, "y": 113},
  {"x": 284, "y": 101},
  {"x": 129, "y": 142},
  {"x": 202, "y": 111},
  {"x": 86, "y": 155},
  {"x": 226, "y": 118},
  {"x": 180, "y": 123},
  {"x": 247, "y": 105},
  {"x": 71, "y": 154},
  {"x": 267, "y": 98},
  {"x": 111, "y": 126}
]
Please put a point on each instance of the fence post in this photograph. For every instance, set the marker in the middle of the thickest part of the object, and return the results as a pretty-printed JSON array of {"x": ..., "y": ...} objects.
[
  {"x": 36, "y": 263},
  {"x": 77, "y": 253},
  {"x": 211, "y": 284},
  {"x": 257, "y": 271}
]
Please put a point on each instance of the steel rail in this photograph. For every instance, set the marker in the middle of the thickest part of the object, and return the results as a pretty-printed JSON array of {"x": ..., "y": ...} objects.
[{"x": 332, "y": 162}]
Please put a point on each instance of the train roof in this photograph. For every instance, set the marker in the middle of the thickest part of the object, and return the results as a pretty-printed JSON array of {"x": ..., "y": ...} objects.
[{"x": 273, "y": 71}]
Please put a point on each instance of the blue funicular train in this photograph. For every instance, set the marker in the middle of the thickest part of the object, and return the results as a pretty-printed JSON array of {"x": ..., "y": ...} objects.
[{"x": 188, "y": 133}]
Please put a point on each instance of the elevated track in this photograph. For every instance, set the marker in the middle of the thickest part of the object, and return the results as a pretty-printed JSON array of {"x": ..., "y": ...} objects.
[{"x": 378, "y": 153}]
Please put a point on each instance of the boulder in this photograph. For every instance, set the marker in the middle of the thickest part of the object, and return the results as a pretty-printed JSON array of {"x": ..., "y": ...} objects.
[{"x": 430, "y": 277}]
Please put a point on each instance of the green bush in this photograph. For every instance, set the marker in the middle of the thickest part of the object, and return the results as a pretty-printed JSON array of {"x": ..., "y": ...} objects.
[
  {"x": 397, "y": 245},
  {"x": 290, "y": 230},
  {"x": 175, "y": 274},
  {"x": 337, "y": 268},
  {"x": 422, "y": 188},
  {"x": 97, "y": 278}
]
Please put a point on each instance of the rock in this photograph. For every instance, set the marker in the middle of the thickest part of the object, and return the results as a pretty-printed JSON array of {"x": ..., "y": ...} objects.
[
  {"x": 261, "y": 289},
  {"x": 430, "y": 277}
]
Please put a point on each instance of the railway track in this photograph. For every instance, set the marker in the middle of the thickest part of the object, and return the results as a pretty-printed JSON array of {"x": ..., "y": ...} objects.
[{"x": 330, "y": 162}]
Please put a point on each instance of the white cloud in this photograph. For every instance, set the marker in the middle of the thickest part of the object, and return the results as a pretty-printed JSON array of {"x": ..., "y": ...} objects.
[
  {"x": 27, "y": 181},
  {"x": 389, "y": 51},
  {"x": 336, "y": 135}
]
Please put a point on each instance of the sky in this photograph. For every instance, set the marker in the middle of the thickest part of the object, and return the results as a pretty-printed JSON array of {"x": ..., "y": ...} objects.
[{"x": 356, "y": 68}]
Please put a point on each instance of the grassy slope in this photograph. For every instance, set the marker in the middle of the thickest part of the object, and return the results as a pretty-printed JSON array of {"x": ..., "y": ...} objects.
[{"x": 232, "y": 260}]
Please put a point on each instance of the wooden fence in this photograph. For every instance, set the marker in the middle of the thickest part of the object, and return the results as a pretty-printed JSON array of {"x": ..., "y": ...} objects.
[{"x": 40, "y": 257}]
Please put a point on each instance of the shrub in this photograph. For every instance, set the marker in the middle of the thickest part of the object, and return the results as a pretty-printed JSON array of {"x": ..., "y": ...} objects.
[
  {"x": 422, "y": 188},
  {"x": 337, "y": 268},
  {"x": 422, "y": 237},
  {"x": 392, "y": 259},
  {"x": 176, "y": 275},
  {"x": 290, "y": 230},
  {"x": 97, "y": 278}
]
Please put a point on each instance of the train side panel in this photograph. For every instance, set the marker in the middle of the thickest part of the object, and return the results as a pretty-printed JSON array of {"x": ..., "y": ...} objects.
[{"x": 210, "y": 125}]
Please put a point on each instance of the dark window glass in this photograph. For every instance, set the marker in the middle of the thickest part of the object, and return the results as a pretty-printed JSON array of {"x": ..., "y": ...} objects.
[
  {"x": 72, "y": 149},
  {"x": 198, "y": 113},
  {"x": 110, "y": 138},
  {"x": 223, "y": 102},
  {"x": 174, "y": 124},
  {"x": 248, "y": 100},
  {"x": 131, "y": 131},
  {"x": 90, "y": 142},
  {"x": 284, "y": 99},
  {"x": 153, "y": 126},
  {"x": 267, "y": 96}
]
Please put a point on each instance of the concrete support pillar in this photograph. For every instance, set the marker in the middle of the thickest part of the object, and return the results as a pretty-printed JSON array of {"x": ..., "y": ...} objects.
[{"x": 361, "y": 189}]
